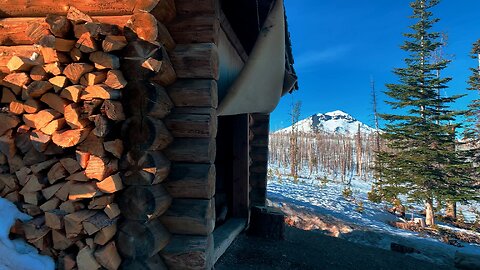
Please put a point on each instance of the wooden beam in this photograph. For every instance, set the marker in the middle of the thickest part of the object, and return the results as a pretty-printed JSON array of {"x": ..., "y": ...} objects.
[
  {"x": 27, "y": 8},
  {"x": 190, "y": 217},
  {"x": 192, "y": 150},
  {"x": 194, "y": 93},
  {"x": 196, "y": 61},
  {"x": 202, "y": 28},
  {"x": 189, "y": 252},
  {"x": 241, "y": 172},
  {"x": 184, "y": 125},
  {"x": 188, "y": 180},
  {"x": 224, "y": 235}
]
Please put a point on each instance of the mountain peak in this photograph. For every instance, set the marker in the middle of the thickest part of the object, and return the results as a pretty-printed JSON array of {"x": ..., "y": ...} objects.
[{"x": 337, "y": 121}]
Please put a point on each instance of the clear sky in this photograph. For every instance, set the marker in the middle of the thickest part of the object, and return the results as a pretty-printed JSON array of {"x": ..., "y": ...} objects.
[{"x": 340, "y": 44}]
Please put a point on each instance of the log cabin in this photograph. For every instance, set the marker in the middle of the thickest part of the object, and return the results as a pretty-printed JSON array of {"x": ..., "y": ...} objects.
[{"x": 135, "y": 132}]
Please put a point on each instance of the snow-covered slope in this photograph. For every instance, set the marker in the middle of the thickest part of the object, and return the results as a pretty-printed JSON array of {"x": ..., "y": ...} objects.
[{"x": 331, "y": 122}]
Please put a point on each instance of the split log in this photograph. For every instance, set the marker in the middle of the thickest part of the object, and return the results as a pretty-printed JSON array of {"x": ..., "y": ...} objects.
[
  {"x": 93, "y": 78},
  {"x": 50, "y": 191},
  {"x": 32, "y": 105},
  {"x": 56, "y": 173},
  {"x": 108, "y": 256},
  {"x": 50, "y": 55},
  {"x": 76, "y": 55},
  {"x": 16, "y": 107},
  {"x": 191, "y": 181},
  {"x": 69, "y": 138},
  {"x": 114, "y": 147},
  {"x": 77, "y": 16},
  {"x": 70, "y": 164},
  {"x": 41, "y": 119},
  {"x": 54, "y": 68},
  {"x": 111, "y": 184},
  {"x": 92, "y": 145},
  {"x": 189, "y": 252},
  {"x": 86, "y": 43},
  {"x": 7, "y": 145},
  {"x": 73, "y": 222},
  {"x": 16, "y": 82},
  {"x": 86, "y": 260},
  {"x": 72, "y": 113},
  {"x": 37, "y": 73},
  {"x": 102, "y": 125},
  {"x": 18, "y": 63},
  {"x": 113, "y": 110},
  {"x": 146, "y": 134},
  {"x": 60, "y": 26},
  {"x": 149, "y": 169},
  {"x": 60, "y": 241},
  {"x": 97, "y": 222},
  {"x": 112, "y": 210},
  {"x": 192, "y": 150},
  {"x": 104, "y": 60},
  {"x": 149, "y": 99},
  {"x": 146, "y": 27},
  {"x": 100, "y": 168},
  {"x": 196, "y": 61},
  {"x": 167, "y": 75},
  {"x": 72, "y": 93},
  {"x": 115, "y": 79},
  {"x": 114, "y": 43},
  {"x": 100, "y": 91},
  {"x": 190, "y": 217},
  {"x": 58, "y": 82},
  {"x": 54, "y": 126},
  {"x": 40, "y": 140},
  {"x": 106, "y": 234},
  {"x": 50, "y": 205},
  {"x": 142, "y": 240},
  {"x": 6, "y": 96},
  {"x": 8, "y": 122},
  {"x": 75, "y": 71},
  {"x": 144, "y": 203},
  {"x": 99, "y": 203},
  {"x": 79, "y": 191},
  {"x": 135, "y": 54},
  {"x": 55, "y": 102},
  {"x": 194, "y": 93},
  {"x": 54, "y": 219},
  {"x": 37, "y": 88}
]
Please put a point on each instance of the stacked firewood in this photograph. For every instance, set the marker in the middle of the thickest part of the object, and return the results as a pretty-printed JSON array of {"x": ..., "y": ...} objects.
[{"x": 63, "y": 129}]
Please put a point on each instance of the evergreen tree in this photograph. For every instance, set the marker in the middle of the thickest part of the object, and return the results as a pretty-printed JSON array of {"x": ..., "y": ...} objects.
[
  {"x": 472, "y": 131},
  {"x": 421, "y": 162}
]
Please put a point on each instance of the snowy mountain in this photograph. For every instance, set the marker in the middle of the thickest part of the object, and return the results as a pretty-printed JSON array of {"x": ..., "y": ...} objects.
[{"x": 331, "y": 122}]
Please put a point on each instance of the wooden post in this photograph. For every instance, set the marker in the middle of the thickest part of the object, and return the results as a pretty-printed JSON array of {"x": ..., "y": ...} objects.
[{"x": 241, "y": 167}]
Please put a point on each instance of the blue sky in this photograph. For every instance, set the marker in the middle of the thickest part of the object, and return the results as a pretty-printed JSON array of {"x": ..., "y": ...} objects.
[{"x": 339, "y": 45}]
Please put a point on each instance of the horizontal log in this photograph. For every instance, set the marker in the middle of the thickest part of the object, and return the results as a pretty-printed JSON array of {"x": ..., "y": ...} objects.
[
  {"x": 192, "y": 125},
  {"x": 203, "y": 28},
  {"x": 190, "y": 217},
  {"x": 144, "y": 203},
  {"x": 146, "y": 134},
  {"x": 196, "y": 61},
  {"x": 187, "y": 7},
  {"x": 192, "y": 150},
  {"x": 26, "y": 8},
  {"x": 189, "y": 252},
  {"x": 150, "y": 168},
  {"x": 196, "y": 181},
  {"x": 194, "y": 93},
  {"x": 141, "y": 240},
  {"x": 146, "y": 98}
]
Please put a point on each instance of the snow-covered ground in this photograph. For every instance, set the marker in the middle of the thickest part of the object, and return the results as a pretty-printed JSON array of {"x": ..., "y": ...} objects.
[
  {"x": 371, "y": 225},
  {"x": 16, "y": 254}
]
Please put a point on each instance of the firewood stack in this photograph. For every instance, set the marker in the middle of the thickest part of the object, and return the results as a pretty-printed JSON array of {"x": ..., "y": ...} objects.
[{"x": 67, "y": 146}]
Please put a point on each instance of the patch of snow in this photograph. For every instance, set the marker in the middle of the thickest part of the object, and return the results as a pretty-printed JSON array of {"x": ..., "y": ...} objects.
[{"x": 16, "y": 254}]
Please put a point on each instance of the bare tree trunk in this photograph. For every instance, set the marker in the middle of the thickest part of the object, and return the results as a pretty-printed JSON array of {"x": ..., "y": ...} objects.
[
  {"x": 429, "y": 214},
  {"x": 451, "y": 212}
]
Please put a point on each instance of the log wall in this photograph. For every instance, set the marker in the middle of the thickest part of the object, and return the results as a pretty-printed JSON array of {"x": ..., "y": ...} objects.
[{"x": 259, "y": 130}]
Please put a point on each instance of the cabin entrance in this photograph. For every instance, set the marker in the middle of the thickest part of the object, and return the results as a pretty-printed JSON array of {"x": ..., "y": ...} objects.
[{"x": 232, "y": 165}]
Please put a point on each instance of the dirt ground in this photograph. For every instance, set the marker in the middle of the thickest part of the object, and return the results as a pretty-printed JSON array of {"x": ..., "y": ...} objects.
[{"x": 313, "y": 250}]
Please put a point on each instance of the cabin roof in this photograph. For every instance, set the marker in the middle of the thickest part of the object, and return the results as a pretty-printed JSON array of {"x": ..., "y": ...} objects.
[{"x": 247, "y": 17}]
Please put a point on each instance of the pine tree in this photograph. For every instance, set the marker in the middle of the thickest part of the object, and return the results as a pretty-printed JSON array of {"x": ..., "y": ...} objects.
[
  {"x": 294, "y": 151},
  {"x": 421, "y": 162}
]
